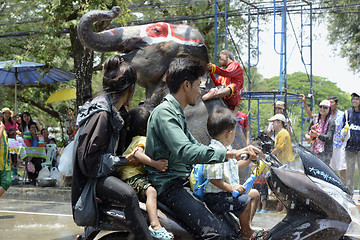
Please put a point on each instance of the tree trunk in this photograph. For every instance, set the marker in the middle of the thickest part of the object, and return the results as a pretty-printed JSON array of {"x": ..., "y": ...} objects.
[{"x": 83, "y": 66}]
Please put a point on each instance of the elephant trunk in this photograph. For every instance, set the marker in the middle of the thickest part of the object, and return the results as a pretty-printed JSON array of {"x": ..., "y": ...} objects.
[{"x": 106, "y": 41}]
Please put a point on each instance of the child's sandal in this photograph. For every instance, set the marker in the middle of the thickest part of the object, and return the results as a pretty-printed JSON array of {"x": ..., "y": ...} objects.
[{"x": 161, "y": 234}]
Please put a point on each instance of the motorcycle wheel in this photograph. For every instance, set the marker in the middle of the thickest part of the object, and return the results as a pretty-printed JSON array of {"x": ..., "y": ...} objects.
[{"x": 117, "y": 236}]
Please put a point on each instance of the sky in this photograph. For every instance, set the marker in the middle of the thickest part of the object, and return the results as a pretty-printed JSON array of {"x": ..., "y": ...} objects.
[{"x": 326, "y": 60}]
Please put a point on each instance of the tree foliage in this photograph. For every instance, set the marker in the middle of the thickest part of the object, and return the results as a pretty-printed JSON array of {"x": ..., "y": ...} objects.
[
  {"x": 297, "y": 83},
  {"x": 344, "y": 31}
]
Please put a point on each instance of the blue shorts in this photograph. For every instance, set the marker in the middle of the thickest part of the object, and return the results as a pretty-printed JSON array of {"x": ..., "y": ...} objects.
[{"x": 224, "y": 202}]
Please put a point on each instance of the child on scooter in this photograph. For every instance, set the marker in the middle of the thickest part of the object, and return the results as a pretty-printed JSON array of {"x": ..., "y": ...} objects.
[
  {"x": 224, "y": 177},
  {"x": 135, "y": 176}
]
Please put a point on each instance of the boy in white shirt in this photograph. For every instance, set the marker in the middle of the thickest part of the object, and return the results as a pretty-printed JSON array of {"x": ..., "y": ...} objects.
[{"x": 224, "y": 177}]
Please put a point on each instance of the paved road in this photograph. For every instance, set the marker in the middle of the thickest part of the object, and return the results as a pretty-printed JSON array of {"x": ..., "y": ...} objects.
[
  {"x": 30, "y": 220},
  {"x": 44, "y": 220}
]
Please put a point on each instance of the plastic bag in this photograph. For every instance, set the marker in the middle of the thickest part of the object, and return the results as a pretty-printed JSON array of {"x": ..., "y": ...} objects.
[
  {"x": 55, "y": 174},
  {"x": 66, "y": 160},
  {"x": 44, "y": 173},
  {"x": 85, "y": 210},
  {"x": 30, "y": 167}
]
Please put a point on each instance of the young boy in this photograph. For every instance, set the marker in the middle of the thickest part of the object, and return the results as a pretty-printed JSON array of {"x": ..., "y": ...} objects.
[
  {"x": 5, "y": 168},
  {"x": 283, "y": 148},
  {"x": 135, "y": 176},
  {"x": 224, "y": 177}
]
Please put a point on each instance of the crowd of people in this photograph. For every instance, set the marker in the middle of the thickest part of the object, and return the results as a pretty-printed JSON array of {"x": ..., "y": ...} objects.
[
  {"x": 137, "y": 154},
  {"x": 334, "y": 136},
  {"x": 23, "y": 127}
]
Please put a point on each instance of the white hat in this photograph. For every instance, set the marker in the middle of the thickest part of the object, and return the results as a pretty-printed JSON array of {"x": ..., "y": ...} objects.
[
  {"x": 325, "y": 103},
  {"x": 8, "y": 110},
  {"x": 279, "y": 116},
  {"x": 280, "y": 104}
]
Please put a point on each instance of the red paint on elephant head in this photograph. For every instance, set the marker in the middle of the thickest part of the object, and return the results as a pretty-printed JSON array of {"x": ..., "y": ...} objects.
[
  {"x": 162, "y": 29},
  {"x": 156, "y": 30}
]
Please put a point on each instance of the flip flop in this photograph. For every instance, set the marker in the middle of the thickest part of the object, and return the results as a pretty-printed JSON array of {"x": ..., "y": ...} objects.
[
  {"x": 161, "y": 234},
  {"x": 258, "y": 235}
]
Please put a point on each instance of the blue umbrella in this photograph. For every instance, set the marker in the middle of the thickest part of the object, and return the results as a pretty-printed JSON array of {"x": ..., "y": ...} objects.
[{"x": 30, "y": 73}]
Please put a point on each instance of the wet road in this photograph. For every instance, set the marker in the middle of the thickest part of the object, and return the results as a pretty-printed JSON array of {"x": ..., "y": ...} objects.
[{"x": 30, "y": 220}]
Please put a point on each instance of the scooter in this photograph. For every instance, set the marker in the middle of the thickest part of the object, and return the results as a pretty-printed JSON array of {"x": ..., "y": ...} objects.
[
  {"x": 318, "y": 204},
  {"x": 113, "y": 223}
]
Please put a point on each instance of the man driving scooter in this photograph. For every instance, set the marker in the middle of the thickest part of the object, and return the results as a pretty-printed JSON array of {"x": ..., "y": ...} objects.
[{"x": 169, "y": 138}]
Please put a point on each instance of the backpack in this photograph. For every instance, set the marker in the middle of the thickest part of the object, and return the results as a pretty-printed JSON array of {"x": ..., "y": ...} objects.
[{"x": 198, "y": 181}]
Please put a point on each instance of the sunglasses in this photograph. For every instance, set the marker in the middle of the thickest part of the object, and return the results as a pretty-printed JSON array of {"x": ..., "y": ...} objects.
[{"x": 324, "y": 107}]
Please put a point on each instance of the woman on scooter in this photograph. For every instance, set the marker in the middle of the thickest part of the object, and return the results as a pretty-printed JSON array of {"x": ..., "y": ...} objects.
[
  {"x": 103, "y": 120},
  {"x": 321, "y": 132}
]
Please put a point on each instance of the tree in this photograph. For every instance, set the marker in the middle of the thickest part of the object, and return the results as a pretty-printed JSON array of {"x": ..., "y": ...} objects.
[
  {"x": 46, "y": 31},
  {"x": 298, "y": 83},
  {"x": 343, "y": 26}
]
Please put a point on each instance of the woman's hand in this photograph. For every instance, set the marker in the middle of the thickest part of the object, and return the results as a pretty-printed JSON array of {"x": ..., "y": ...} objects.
[
  {"x": 314, "y": 133},
  {"x": 161, "y": 164}
]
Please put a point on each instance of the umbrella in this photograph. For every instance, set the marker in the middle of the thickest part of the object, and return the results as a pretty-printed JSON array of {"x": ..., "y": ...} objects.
[
  {"x": 30, "y": 73},
  {"x": 62, "y": 95}
]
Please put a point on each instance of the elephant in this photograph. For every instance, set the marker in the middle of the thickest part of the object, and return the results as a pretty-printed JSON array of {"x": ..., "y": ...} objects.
[{"x": 150, "y": 49}]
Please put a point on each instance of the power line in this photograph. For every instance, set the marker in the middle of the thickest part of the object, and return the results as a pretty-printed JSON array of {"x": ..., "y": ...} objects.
[{"x": 195, "y": 17}]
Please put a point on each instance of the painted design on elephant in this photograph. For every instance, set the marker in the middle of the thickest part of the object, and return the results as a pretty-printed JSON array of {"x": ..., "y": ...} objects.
[{"x": 164, "y": 32}]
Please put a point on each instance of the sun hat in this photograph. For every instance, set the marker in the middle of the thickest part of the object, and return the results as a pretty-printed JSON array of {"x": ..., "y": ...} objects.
[
  {"x": 7, "y": 110},
  {"x": 325, "y": 103},
  {"x": 280, "y": 104},
  {"x": 279, "y": 116}
]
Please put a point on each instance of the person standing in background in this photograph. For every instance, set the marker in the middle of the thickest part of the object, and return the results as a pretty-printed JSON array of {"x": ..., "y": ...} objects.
[
  {"x": 10, "y": 125},
  {"x": 242, "y": 119},
  {"x": 321, "y": 138},
  {"x": 337, "y": 161},
  {"x": 5, "y": 167},
  {"x": 279, "y": 109},
  {"x": 26, "y": 121},
  {"x": 352, "y": 149},
  {"x": 70, "y": 123},
  {"x": 18, "y": 120}
]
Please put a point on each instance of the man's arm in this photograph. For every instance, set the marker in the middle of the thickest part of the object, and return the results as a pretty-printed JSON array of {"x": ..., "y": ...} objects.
[
  {"x": 247, "y": 135},
  {"x": 232, "y": 70},
  {"x": 217, "y": 93},
  {"x": 250, "y": 150}
]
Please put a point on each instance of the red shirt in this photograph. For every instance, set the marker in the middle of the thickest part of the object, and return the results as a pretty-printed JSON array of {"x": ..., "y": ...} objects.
[
  {"x": 231, "y": 77},
  {"x": 11, "y": 127},
  {"x": 242, "y": 119}
]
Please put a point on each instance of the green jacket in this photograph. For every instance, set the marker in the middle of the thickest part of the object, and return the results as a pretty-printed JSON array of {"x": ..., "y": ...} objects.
[{"x": 169, "y": 138}]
